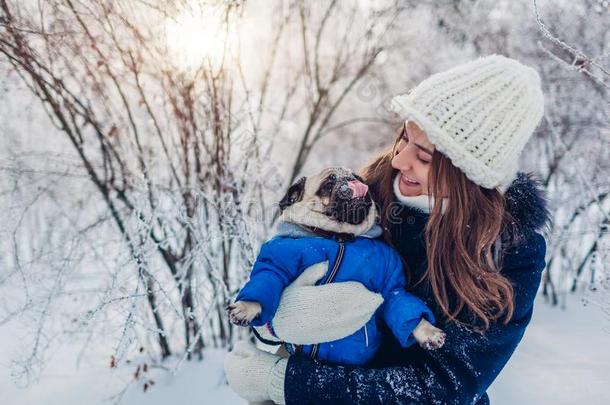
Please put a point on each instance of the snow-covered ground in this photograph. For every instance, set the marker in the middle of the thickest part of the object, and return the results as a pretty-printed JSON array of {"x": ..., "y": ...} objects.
[
  {"x": 563, "y": 359},
  {"x": 93, "y": 383}
]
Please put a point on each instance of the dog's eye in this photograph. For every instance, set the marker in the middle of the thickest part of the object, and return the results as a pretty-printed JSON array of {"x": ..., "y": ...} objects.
[{"x": 327, "y": 187}]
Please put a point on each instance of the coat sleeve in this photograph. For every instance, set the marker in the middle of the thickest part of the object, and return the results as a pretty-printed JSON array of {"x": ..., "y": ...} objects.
[
  {"x": 276, "y": 266},
  {"x": 401, "y": 311},
  {"x": 458, "y": 373}
]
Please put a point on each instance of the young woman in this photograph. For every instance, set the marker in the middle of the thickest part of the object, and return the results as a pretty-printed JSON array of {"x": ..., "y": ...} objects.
[{"x": 466, "y": 224}]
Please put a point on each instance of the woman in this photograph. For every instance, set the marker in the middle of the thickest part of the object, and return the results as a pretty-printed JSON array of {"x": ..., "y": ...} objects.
[{"x": 466, "y": 224}]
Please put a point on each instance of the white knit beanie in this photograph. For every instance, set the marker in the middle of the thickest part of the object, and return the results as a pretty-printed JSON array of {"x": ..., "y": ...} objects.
[{"x": 479, "y": 114}]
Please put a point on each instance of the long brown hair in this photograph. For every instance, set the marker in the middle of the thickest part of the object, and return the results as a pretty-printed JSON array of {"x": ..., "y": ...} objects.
[{"x": 463, "y": 271}]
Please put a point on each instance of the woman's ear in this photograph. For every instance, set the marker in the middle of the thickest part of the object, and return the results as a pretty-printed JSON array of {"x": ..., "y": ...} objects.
[{"x": 294, "y": 194}]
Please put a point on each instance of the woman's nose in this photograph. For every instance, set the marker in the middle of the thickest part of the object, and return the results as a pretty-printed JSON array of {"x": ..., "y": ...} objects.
[{"x": 402, "y": 160}]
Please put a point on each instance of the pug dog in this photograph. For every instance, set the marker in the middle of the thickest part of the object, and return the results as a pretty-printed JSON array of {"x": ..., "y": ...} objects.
[{"x": 318, "y": 213}]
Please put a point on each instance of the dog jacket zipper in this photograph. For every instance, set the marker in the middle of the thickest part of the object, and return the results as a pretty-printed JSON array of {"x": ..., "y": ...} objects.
[{"x": 329, "y": 279}]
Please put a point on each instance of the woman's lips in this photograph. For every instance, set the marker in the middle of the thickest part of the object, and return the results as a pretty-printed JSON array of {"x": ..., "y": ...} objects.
[{"x": 408, "y": 181}]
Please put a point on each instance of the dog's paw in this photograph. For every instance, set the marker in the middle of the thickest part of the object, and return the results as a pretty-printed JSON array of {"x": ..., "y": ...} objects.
[
  {"x": 435, "y": 340},
  {"x": 241, "y": 313},
  {"x": 429, "y": 336}
]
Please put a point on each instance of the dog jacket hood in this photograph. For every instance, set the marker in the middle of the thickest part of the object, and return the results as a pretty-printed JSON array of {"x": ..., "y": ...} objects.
[{"x": 296, "y": 231}]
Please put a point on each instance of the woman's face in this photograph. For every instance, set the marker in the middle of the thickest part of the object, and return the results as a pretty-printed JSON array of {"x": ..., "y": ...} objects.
[{"x": 412, "y": 159}]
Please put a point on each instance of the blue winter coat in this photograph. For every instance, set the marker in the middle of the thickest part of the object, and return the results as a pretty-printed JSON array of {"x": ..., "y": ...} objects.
[
  {"x": 461, "y": 371},
  {"x": 369, "y": 261}
]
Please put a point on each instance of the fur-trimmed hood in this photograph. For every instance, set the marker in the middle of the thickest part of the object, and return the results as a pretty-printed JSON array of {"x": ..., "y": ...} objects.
[{"x": 526, "y": 203}]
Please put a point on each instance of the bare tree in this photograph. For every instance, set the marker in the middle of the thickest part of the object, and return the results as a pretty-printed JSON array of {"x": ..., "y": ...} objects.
[
  {"x": 577, "y": 143},
  {"x": 176, "y": 155},
  {"x": 174, "y": 147},
  {"x": 568, "y": 44}
]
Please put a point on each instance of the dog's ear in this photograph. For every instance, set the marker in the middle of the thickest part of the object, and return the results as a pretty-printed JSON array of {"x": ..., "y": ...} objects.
[{"x": 294, "y": 194}]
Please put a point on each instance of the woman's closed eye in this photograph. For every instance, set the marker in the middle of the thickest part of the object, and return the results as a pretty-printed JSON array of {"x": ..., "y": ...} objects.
[{"x": 424, "y": 160}]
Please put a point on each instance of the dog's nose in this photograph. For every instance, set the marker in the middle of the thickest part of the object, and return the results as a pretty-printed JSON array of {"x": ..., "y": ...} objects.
[
  {"x": 344, "y": 192},
  {"x": 358, "y": 188}
]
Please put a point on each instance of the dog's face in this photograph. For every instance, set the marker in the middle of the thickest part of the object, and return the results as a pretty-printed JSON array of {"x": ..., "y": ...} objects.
[{"x": 335, "y": 200}]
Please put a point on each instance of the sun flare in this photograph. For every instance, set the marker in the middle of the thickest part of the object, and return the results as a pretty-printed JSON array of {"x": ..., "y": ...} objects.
[{"x": 195, "y": 38}]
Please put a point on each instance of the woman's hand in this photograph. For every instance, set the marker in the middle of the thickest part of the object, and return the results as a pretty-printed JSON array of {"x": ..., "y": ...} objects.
[
  {"x": 310, "y": 314},
  {"x": 255, "y": 375}
]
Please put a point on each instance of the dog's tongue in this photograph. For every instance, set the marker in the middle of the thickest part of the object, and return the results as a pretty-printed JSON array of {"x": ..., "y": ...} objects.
[{"x": 358, "y": 188}]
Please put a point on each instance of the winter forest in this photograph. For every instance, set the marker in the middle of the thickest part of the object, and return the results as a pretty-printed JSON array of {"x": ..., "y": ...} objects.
[{"x": 145, "y": 145}]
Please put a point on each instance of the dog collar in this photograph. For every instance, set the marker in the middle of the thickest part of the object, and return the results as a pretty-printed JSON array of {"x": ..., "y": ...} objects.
[{"x": 328, "y": 234}]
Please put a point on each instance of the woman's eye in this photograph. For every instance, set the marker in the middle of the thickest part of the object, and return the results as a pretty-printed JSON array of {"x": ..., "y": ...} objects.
[{"x": 426, "y": 162}]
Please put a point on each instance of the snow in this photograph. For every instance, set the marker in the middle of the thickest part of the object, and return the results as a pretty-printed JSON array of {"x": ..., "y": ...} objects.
[
  {"x": 563, "y": 359},
  {"x": 197, "y": 383},
  {"x": 95, "y": 383}
]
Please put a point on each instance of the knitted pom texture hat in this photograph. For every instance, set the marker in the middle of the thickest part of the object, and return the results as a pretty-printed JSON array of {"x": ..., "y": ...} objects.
[{"x": 479, "y": 114}]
